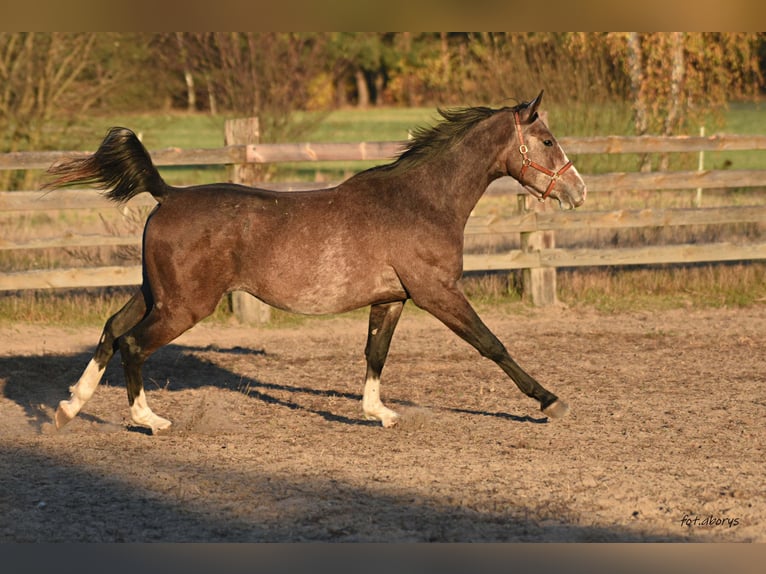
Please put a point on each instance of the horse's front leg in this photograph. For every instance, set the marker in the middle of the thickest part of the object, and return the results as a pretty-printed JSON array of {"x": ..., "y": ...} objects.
[
  {"x": 451, "y": 307},
  {"x": 383, "y": 320}
]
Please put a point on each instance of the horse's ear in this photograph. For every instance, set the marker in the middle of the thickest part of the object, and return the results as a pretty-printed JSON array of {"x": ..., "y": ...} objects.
[
  {"x": 529, "y": 112},
  {"x": 536, "y": 102}
]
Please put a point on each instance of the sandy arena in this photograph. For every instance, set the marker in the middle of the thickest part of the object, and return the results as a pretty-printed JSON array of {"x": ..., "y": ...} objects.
[{"x": 664, "y": 442}]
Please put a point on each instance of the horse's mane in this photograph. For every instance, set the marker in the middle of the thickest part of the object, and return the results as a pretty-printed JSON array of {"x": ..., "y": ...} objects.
[{"x": 430, "y": 141}]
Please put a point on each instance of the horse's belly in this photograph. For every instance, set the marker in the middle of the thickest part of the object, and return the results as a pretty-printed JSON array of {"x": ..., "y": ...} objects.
[
  {"x": 316, "y": 289},
  {"x": 336, "y": 295}
]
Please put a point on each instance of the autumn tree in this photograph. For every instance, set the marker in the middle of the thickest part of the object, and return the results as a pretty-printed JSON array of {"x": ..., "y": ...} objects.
[
  {"x": 671, "y": 81},
  {"x": 509, "y": 67},
  {"x": 359, "y": 64},
  {"x": 682, "y": 79},
  {"x": 43, "y": 75},
  {"x": 263, "y": 74}
]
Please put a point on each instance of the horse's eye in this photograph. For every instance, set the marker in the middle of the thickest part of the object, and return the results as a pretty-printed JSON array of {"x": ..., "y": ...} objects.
[{"x": 547, "y": 143}]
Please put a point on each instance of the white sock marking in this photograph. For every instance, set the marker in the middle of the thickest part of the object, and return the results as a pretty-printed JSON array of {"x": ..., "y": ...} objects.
[
  {"x": 83, "y": 390},
  {"x": 143, "y": 416},
  {"x": 372, "y": 405}
]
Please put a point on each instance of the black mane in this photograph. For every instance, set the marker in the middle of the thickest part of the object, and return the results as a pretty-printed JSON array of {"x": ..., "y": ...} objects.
[{"x": 430, "y": 140}]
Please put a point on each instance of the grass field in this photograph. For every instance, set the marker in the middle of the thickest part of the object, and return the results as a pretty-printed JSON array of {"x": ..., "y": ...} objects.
[{"x": 600, "y": 288}]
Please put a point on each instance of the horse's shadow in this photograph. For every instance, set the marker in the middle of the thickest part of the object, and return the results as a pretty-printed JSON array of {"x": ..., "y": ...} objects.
[{"x": 38, "y": 382}]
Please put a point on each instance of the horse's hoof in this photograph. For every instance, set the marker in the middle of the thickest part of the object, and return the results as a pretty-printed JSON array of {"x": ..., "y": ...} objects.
[
  {"x": 557, "y": 409},
  {"x": 161, "y": 429},
  {"x": 387, "y": 418},
  {"x": 390, "y": 422},
  {"x": 158, "y": 425},
  {"x": 62, "y": 417}
]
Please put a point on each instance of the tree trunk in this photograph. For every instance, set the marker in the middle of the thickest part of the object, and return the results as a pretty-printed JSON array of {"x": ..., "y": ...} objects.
[
  {"x": 445, "y": 54},
  {"x": 406, "y": 46},
  {"x": 636, "y": 73},
  {"x": 362, "y": 91},
  {"x": 380, "y": 83},
  {"x": 677, "y": 69},
  {"x": 211, "y": 101},
  {"x": 191, "y": 96},
  {"x": 341, "y": 99}
]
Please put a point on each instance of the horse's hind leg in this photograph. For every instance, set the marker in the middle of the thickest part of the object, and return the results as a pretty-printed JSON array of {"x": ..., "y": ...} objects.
[
  {"x": 130, "y": 314},
  {"x": 157, "y": 329},
  {"x": 383, "y": 320}
]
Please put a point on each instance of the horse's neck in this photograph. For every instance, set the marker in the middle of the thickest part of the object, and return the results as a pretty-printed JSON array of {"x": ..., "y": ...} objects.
[{"x": 456, "y": 180}]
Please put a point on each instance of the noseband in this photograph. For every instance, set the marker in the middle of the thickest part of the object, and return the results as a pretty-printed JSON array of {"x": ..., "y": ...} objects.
[{"x": 526, "y": 162}]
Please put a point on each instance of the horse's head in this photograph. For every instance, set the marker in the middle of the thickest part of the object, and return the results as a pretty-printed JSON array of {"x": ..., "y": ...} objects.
[{"x": 536, "y": 160}]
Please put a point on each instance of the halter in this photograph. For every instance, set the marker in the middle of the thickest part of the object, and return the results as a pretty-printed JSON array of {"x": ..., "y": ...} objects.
[{"x": 526, "y": 162}]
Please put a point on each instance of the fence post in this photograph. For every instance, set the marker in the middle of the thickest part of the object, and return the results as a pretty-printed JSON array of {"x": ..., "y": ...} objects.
[
  {"x": 700, "y": 167},
  {"x": 538, "y": 284},
  {"x": 246, "y": 308}
]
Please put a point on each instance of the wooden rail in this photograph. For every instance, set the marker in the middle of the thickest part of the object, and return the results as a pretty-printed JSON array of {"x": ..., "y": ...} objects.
[
  {"x": 532, "y": 255},
  {"x": 298, "y": 152},
  {"x": 618, "y": 181}
]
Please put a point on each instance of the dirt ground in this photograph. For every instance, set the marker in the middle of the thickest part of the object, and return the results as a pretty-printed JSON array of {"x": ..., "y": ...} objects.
[{"x": 665, "y": 440}]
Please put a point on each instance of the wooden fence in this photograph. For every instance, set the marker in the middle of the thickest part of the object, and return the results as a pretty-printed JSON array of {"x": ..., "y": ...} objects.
[{"x": 536, "y": 254}]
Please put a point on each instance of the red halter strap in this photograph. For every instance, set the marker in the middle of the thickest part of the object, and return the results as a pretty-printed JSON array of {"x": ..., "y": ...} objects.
[{"x": 526, "y": 162}]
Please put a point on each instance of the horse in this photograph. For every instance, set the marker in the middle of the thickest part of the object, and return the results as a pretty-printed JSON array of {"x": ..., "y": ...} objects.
[{"x": 385, "y": 235}]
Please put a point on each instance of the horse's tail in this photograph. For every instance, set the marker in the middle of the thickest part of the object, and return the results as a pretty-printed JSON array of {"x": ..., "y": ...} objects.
[{"x": 121, "y": 166}]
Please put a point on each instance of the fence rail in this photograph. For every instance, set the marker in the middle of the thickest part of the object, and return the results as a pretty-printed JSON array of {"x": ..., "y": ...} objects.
[
  {"x": 297, "y": 152},
  {"x": 529, "y": 223}
]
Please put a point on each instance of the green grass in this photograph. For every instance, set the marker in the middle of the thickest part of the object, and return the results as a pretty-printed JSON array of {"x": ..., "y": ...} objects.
[
  {"x": 376, "y": 124},
  {"x": 157, "y": 130},
  {"x": 744, "y": 118}
]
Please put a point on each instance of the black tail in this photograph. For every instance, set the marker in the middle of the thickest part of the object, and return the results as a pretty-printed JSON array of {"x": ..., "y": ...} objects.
[{"x": 121, "y": 166}]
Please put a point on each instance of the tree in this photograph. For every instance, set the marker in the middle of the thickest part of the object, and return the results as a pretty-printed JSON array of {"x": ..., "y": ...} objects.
[
  {"x": 263, "y": 74},
  {"x": 682, "y": 79},
  {"x": 359, "y": 64},
  {"x": 42, "y": 76},
  {"x": 575, "y": 71}
]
